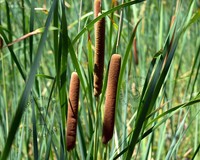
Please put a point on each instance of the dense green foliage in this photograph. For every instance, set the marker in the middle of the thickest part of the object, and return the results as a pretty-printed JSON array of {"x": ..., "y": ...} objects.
[{"x": 157, "y": 112}]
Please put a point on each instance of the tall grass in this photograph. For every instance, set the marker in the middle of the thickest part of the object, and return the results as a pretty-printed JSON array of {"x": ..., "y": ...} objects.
[{"x": 156, "y": 114}]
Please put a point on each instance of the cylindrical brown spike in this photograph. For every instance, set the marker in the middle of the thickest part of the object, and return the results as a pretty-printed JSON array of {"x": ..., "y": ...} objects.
[
  {"x": 135, "y": 51},
  {"x": 99, "y": 56},
  {"x": 72, "y": 114},
  {"x": 97, "y": 8},
  {"x": 111, "y": 91}
]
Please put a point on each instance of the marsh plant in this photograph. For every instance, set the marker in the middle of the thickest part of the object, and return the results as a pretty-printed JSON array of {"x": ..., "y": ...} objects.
[{"x": 121, "y": 79}]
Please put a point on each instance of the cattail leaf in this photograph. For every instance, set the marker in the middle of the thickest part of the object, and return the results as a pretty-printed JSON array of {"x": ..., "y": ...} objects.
[
  {"x": 13, "y": 55},
  {"x": 34, "y": 132},
  {"x": 193, "y": 19},
  {"x": 166, "y": 115},
  {"x": 173, "y": 109},
  {"x": 125, "y": 59},
  {"x": 49, "y": 137},
  {"x": 90, "y": 55},
  {"x": 31, "y": 28},
  {"x": 62, "y": 65},
  {"x": 45, "y": 76},
  {"x": 76, "y": 65},
  {"x": 23, "y": 100},
  {"x": 147, "y": 103},
  {"x": 90, "y": 25},
  {"x": 90, "y": 149},
  {"x": 196, "y": 61},
  {"x": 80, "y": 134},
  {"x": 196, "y": 152}
]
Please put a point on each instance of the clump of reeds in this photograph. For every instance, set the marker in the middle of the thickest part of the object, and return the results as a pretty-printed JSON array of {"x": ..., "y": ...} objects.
[
  {"x": 135, "y": 51},
  {"x": 72, "y": 111},
  {"x": 111, "y": 91},
  {"x": 99, "y": 56}
]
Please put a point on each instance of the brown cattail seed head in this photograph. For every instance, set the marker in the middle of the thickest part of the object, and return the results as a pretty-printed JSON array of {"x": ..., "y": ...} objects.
[
  {"x": 72, "y": 111},
  {"x": 97, "y": 8},
  {"x": 99, "y": 56},
  {"x": 111, "y": 91},
  {"x": 135, "y": 51},
  {"x": 1, "y": 42}
]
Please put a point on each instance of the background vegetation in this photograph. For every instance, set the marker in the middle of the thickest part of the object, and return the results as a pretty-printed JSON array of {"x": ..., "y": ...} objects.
[{"x": 157, "y": 111}]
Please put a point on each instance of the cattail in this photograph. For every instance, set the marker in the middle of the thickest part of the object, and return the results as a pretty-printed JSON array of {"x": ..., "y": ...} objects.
[
  {"x": 111, "y": 91},
  {"x": 135, "y": 51},
  {"x": 1, "y": 42},
  {"x": 99, "y": 56},
  {"x": 97, "y": 8},
  {"x": 72, "y": 111}
]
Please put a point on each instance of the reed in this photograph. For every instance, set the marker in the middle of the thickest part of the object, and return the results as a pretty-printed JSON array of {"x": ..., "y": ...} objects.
[
  {"x": 72, "y": 111},
  {"x": 99, "y": 56},
  {"x": 111, "y": 90}
]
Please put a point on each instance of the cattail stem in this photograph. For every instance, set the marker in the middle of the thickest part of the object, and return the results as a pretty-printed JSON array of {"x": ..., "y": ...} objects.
[
  {"x": 111, "y": 91},
  {"x": 97, "y": 8},
  {"x": 99, "y": 56},
  {"x": 72, "y": 111}
]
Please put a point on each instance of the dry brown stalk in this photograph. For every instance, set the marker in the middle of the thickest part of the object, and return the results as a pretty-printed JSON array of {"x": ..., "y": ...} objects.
[{"x": 111, "y": 91}]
